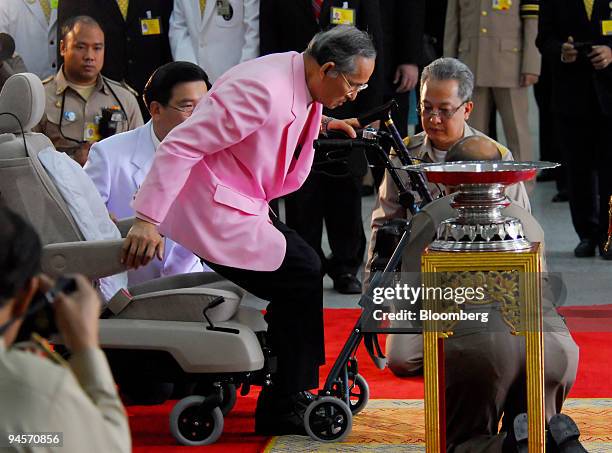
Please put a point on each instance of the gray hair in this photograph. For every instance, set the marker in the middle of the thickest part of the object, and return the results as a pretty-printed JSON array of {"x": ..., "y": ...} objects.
[
  {"x": 450, "y": 69},
  {"x": 341, "y": 45}
]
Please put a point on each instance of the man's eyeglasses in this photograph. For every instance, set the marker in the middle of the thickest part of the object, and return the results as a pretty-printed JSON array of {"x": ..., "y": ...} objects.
[
  {"x": 187, "y": 109},
  {"x": 447, "y": 114},
  {"x": 353, "y": 87}
]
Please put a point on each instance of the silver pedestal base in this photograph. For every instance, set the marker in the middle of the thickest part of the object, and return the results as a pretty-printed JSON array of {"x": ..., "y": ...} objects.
[{"x": 501, "y": 235}]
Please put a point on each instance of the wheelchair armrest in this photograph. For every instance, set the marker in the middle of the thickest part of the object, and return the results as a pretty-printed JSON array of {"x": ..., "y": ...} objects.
[
  {"x": 124, "y": 225},
  {"x": 94, "y": 259}
]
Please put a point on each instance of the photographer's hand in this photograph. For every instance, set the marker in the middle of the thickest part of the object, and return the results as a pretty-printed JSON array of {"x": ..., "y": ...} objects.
[
  {"x": 568, "y": 52},
  {"x": 600, "y": 56},
  {"x": 141, "y": 244},
  {"x": 76, "y": 314}
]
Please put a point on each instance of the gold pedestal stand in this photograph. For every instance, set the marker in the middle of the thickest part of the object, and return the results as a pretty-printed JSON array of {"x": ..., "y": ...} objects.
[{"x": 523, "y": 317}]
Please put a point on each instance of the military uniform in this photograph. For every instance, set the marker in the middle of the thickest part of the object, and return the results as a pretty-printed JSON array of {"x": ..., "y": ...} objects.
[
  {"x": 496, "y": 40},
  {"x": 79, "y": 118}
]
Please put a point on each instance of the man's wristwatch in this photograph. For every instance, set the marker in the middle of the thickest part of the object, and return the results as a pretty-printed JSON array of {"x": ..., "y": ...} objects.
[{"x": 325, "y": 124}]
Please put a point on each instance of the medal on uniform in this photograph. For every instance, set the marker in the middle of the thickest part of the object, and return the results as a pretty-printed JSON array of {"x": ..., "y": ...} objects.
[
  {"x": 70, "y": 117},
  {"x": 606, "y": 27},
  {"x": 224, "y": 9},
  {"x": 501, "y": 5},
  {"x": 342, "y": 16}
]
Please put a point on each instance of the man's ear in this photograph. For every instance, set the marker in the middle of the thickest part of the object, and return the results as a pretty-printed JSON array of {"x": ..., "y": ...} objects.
[
  {"x": 24, "y": 297},
  {"x": 62, "y": 47},
  {"x": 155, "y": 108},
  {"x": 469, "y": 106},
  {"x": 326, "y": 67}
]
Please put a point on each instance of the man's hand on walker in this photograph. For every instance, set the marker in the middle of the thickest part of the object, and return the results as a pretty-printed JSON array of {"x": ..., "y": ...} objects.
[
  {"x": 141, "y": 244},
  {"x": 347, "y": 126}
]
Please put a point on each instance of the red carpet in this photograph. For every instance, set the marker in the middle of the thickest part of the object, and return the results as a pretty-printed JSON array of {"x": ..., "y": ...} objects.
[{"x": 150, "y": 430}]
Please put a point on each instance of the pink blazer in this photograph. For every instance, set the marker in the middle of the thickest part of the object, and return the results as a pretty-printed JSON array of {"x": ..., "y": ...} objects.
[{"x": 248, "y": 141}]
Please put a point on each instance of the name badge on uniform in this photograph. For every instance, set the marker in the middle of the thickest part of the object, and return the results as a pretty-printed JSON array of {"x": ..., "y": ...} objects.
[
  {"x": 224, "y": 9},
  {"x": 342, "y": 16},
  {"x": 501, "y": 5},
  {"x": 91, "y": 133},
  {"x": 150, "y": 26},
  {"x": 606, "y": 27}
]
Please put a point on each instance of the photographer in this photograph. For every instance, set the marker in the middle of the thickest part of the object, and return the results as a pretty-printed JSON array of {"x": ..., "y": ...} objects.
[
  {"x": 77, "y": 399},
  {"x": 82, "y": 105}
]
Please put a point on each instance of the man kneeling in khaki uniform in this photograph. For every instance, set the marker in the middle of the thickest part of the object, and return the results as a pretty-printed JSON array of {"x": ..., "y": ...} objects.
[{"x": 489, "y": 359}]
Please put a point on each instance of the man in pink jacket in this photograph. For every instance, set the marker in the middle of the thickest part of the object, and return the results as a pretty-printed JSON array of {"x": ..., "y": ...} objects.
[{"x": 249, "y": 141}]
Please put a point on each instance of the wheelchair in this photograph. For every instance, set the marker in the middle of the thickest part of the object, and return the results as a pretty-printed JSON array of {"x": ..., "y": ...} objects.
[{"x": 190, "y": 329}]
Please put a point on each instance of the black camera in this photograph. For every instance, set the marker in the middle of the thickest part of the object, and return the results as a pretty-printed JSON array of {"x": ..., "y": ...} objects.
[
  {"x": 40, "y": 317},
  {"x": 110, "y": 120}
]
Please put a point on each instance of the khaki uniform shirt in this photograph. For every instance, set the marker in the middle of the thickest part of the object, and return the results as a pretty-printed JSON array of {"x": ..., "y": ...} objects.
[
  {"x": 497, "y": 45},
  {"x": 81, "y": 402},
  {"x": 80, "y": 117},
  {"x": 387, "y": 205}
]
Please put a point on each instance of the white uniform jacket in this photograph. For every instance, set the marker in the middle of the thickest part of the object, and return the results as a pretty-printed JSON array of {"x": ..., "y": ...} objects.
[
  {"x": 214, "y": 41},
  {"x": 117, "y": 166}
]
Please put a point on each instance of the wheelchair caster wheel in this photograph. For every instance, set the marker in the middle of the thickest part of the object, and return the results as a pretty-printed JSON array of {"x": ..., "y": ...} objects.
[
  {"x": 192, "y": 425},
  {"x": 359, "y": 394},
  {"x": 328, "y": 419},
  {"x": 229, "y": 398}
]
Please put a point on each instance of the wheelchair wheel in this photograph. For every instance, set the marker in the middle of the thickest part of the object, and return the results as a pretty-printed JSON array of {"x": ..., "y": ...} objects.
[
  {"x": 190, "y": 425},
  {"x": 328, "y": 419},
  {"x": 228, "y": 394},
  {"x": 359, "y": 394},
  {"x": 229, "y": 398}
]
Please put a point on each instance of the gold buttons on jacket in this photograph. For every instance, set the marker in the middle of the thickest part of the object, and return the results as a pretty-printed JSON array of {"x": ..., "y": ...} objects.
[
  {"x": 484, "y": 30},
  {"x": 484, "y": 13}
]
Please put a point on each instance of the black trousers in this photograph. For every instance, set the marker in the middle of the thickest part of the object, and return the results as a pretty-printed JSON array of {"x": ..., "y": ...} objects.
[
  {"x": 550, "y": 149},
  {"x": 337, "y": 200},
  {"x": 294, "y": 313},
  {"x": 587, "y": 150}
]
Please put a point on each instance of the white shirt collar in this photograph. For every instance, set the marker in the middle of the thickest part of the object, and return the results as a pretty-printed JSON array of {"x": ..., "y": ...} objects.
[{"x": 156, "y": 141}]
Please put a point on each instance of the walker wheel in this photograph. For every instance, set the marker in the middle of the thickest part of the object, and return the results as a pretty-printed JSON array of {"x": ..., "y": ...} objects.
[
  {"x": 193, "y": 426},
  {"x": 328, "y": 419},
  {"x": 359, "y": 394}
]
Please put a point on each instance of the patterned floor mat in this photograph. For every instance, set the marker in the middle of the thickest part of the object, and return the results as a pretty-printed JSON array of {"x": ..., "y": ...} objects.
[{"x": 398, "y": 426}]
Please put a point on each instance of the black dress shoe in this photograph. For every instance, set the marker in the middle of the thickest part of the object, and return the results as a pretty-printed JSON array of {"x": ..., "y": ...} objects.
[
  {"x": 279, "y": 416},
  {"x": 347, "y": 284},
  {"x": 565, "y": 434},
  {"x": 516, "y": 438},
  {"x": 585, "y": 248}
]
